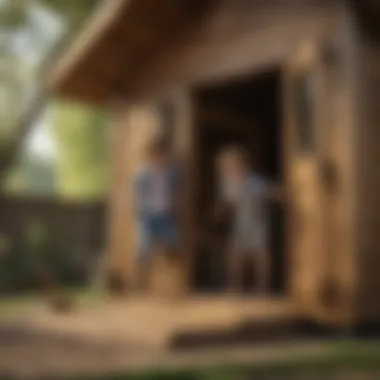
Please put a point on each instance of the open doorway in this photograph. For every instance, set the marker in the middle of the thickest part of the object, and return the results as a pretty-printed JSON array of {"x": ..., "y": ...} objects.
[{"x": 244, "y": 112}]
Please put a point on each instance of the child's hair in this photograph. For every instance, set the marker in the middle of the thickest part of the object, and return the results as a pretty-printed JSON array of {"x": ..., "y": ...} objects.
[
  {"x": 157, "y": 147},
  {"x": 234, "y": 152}
]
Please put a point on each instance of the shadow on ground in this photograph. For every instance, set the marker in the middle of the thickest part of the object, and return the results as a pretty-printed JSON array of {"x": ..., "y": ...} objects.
[
  {"x": 26, "y": 351},
  {"x": 251, "y": 332}
]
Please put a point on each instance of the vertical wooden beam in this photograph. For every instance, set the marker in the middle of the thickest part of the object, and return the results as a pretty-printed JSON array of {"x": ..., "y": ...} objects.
[
  {"x": 134, "y": 127},
  {"x": 187, "y": 145},
  {"x": 116, "y": 275},
  {"x": 342, "y": 137},
  {"x": 367, "y": 155}
]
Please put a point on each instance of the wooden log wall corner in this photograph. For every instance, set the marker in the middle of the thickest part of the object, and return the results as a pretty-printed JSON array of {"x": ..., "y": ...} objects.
[{"x": 134, "y": 127}]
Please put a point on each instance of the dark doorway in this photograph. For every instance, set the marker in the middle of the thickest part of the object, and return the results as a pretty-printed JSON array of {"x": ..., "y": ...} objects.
[{"x": 244, "y": 112}]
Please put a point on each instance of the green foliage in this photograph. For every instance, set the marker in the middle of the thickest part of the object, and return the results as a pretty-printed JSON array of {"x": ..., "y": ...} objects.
[
  {"x": 31, "y": 175},
  {"x": 82, "y": 139},
  {"x": 18, "y": 72},
  {"x": 218, "y": 374},
  {"x": 17, "y": 262},
  {"x": 73, "y": 10},
  {"x": 13, "y": 13},
  {"x": 359, "y": 360},
  {"x": 11, "y": 87},
  {"x": 36, "y": 252}
]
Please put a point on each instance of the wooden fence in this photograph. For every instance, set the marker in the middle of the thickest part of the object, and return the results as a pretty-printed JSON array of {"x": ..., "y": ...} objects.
[{"x": 75, "y": 223}]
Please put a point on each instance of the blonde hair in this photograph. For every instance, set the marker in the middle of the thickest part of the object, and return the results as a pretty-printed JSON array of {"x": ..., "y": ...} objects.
[{"x": 234, "y": 153}]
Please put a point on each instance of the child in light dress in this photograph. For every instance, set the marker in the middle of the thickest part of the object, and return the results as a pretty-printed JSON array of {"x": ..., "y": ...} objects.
[{"x": 248, "y": 193}]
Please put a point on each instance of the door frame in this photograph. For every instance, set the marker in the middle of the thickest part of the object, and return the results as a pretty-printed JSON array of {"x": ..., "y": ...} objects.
[
  {"x": 191, "y": 110},
  {"x": 305, "y": 59}
]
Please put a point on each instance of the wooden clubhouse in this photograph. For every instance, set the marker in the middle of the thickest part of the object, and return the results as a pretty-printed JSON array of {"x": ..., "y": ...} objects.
[{"x": 295, "y": 82}]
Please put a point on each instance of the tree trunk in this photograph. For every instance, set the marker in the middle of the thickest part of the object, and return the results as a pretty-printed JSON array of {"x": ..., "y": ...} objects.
[{"x": 33, "y": 111}]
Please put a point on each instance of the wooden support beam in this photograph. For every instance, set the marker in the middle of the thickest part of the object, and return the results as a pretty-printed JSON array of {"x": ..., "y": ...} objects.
[
  {"x": 109, "y": 15},
  {"x": 120, "y": 41}
]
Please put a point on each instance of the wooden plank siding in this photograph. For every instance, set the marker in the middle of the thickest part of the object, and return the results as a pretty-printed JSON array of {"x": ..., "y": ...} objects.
[
  {"x": 326, "y": 279},
  {"x": 267, "y": 34},
  {"x": 122, "y": 37},
  {"x": 134, "y": 126},
  {"x": 368, "y": 182},
  {"x": 238, "y": 38},
  {"x": 201, "y": 43},
  {"x": 338, "y": 177}
]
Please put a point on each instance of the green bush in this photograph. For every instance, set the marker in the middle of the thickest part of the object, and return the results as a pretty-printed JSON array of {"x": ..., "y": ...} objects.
[
  {"x": 14, "y": 271},
  {"x": 34, "y": 254}
]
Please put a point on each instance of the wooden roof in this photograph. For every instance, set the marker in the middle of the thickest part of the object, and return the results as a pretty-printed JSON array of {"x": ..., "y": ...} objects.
[
  {"x": 120, "y": 38},
  {"x": 123, "y": 37}
]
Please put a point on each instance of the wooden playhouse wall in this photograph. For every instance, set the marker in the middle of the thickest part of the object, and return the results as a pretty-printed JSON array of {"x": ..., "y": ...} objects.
[
  {"x": 335, "y": 296},
  {"x": 350, "y": 144},
  {"x": 239, "y": 37},
  {"x": 368, "y": 180},
  {"x": 265, "y": 33},
  {"x": 212, "y": 52},
  {"x": 133, "y": 128}
]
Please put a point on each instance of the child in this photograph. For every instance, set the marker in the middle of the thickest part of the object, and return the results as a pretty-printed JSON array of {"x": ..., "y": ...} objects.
[
  {"x": 155, "y": 193},
  {"x": 248, "y": 194}
]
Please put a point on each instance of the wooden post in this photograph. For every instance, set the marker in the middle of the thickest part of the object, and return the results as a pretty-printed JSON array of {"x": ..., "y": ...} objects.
[
  {"x": 117, "y": 278},
  {"x": 171, "y": 271},
  {"x": 188, "y": 146}
]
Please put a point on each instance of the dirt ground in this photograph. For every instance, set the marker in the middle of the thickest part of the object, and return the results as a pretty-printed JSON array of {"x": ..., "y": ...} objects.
[{"x": 115, "y": 337}]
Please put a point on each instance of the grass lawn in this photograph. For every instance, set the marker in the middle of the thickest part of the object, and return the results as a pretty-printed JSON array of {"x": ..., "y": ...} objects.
[
  {"x": 345, "y": 360},
  {"x": 12, "y": 306}
]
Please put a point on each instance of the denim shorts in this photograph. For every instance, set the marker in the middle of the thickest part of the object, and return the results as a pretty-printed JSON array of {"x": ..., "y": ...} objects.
[{"x": 157, "y": 229}]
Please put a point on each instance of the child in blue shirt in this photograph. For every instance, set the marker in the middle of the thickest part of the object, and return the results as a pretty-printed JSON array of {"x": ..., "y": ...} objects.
[{"x": 155, "y": 193}]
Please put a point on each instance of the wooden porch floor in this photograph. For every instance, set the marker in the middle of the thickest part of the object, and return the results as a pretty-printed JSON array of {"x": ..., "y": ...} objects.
[{"x": 149, "y": 323}]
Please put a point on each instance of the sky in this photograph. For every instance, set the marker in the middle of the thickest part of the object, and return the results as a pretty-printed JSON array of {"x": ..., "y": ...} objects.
[{"x": 40, "y": 141}]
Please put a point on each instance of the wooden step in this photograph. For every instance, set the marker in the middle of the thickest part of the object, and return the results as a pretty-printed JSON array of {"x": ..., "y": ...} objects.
[{"x": 257, "y": 331}]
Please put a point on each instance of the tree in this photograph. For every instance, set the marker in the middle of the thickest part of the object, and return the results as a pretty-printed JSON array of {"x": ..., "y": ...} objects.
[
  {"x": 82, "y": 161},
  {"x": 82, "y": 140},
  {"x": 73, "y": 10},
  {"x": 80, "y": 132},
  {"x": 21, "y": 90},
  {"x": 32, "y": 175}
]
